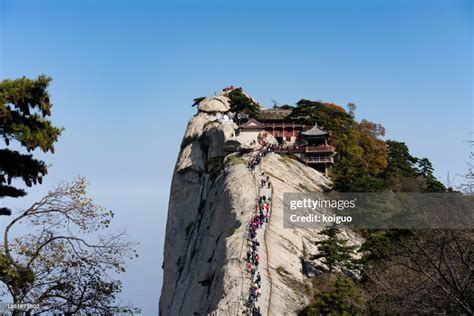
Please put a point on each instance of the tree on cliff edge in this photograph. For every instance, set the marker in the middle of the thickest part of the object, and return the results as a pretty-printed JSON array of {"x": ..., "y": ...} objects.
[
  {"x": 24, "y": 111},
  {"x": 240, "y": 103},
  {"x": 334, "y": 251},
  {"x": 66, "y": 262}
]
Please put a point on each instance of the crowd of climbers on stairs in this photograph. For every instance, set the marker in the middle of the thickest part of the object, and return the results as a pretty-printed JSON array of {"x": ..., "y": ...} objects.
[
  {"x": 255, "y": 161},
  {"x": 259, "y": 218}
]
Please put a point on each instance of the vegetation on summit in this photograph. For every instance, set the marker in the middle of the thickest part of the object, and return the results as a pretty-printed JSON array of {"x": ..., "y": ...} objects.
[
  {"x": 240, "y": 103},
  {"x": 364, "y": 162}
]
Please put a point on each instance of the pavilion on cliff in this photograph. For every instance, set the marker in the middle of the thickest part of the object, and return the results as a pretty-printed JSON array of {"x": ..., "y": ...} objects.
[{"x": 311, "y": 146}]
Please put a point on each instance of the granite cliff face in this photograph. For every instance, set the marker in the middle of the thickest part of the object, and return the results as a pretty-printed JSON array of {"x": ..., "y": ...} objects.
[{"x": 213, "y": 194}]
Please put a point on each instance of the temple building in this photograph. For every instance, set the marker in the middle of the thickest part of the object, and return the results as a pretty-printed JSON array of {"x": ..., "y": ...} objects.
[
  {"x": 252, "y": 127},
  {"x": 318, "y": 152},
  {"x": 276, "y": 122},
  {"x": 311, "y": 145}
]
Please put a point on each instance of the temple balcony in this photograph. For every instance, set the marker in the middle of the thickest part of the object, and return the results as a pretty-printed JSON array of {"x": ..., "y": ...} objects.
[
  {"x": 281, "y": 125},
  {"x": 311, "y": 160},
  {"x": 319, "y": 149},
  {"x": 290, "y": 150}
]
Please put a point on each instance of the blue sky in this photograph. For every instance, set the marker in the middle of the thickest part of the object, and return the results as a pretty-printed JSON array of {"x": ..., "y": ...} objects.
[{"x": 125, "y": 73}]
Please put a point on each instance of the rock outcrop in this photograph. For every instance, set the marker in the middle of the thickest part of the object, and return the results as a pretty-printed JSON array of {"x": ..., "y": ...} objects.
[
  {"x": 214, "y": 104},
  {"x": 212, "y": 197}
]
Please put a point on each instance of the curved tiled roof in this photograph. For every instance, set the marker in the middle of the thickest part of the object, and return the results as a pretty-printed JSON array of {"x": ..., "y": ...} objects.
[
  {"x": 315, "y": 131},
  {"x": 275, "y": 114},
  {"x": 252, "y": 124}
]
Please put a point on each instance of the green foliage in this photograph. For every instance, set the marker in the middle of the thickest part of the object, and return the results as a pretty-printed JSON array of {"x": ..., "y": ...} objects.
[
  {"x": 197, "y": 100},
  {"x": 335, "y": 293},
  {"x": 15, "y": 164},
  {"x": 360, "y": 156},
  {"x": 235, "y": 160},
  {"x": 425, "y": 170},
  {"x": 363, "y": 161},
  {"x": 24, "y": 108},
  {"x": 378, "y": 245},
  {"x": 240, "y": 103},
  {"x": 400, "y": 162},
  {"x": 233, "y": 228},
  {"x": 215, "y": 166},
  {"x": 330, "y": 116},
  {"x": 351, "y": 107},
  {"x": 334, "y": 251},
  {"x": 407, "y": 173},
  {"x": 14, "y": 276},
  {"x": 230, "y": 231},
  {"x": 339, "y": 296}
]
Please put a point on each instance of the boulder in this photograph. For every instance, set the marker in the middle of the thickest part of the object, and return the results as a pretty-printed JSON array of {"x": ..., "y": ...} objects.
[
  {"x": 311, "y": 270},
  {"x": 214, "y": 104}
]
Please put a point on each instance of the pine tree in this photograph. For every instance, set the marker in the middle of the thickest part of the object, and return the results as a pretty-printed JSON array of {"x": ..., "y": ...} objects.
[
  {"x": 334, "y": 251},
  {"x": 24, "y": 111},
  {"x": 400, "y": 162},
  {"x": 240, "y": 103},
  {"x": 425, "y": 170},
  {"x": 343, "y": 299},
  {"x": 336, "y": 295}
]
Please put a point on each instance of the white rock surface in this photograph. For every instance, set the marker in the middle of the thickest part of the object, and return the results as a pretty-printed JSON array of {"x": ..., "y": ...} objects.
[
  {"x": 214, "y": 104},
  {"x": 286, "y": 246},
  {"x": 196, "y": 127}
]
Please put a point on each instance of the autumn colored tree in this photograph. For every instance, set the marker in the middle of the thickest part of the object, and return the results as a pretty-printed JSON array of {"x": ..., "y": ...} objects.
[
  {"x": 24, "y": 110},
  {"x": 340, "y": 124},
  {"x": 364, "y": 162},
  {"x": 329, "y": 116},
  {"x": 375, "y": 150},
  {"x": 361, "y": 157},
  {"x": 59, "y": 262}
]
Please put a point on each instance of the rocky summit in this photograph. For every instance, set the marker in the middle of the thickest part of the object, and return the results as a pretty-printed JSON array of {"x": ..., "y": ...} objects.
[{"x": 215, "y": 191}]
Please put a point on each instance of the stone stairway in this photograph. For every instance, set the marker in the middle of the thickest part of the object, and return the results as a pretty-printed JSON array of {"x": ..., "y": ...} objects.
[{"x": 265, "y": 299}]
